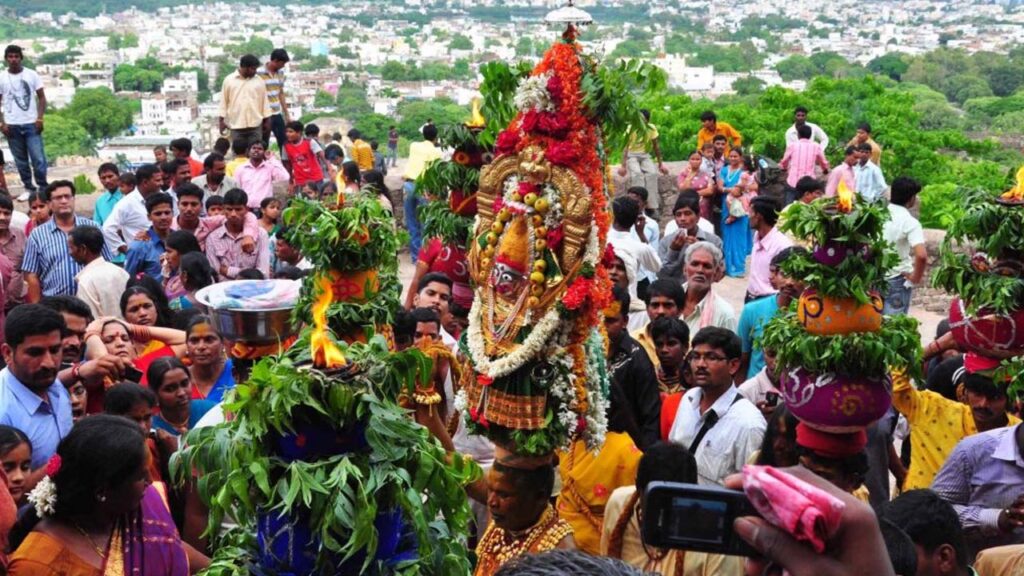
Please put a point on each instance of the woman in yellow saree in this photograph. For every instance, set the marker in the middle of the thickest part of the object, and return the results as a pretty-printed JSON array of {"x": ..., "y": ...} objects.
[{"x": 589, "y": 478}]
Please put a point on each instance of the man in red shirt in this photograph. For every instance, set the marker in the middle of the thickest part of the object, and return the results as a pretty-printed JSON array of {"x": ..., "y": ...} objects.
[{"x": 182, "y": 148}]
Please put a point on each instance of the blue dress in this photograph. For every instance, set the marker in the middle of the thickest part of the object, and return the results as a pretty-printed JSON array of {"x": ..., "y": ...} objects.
[{"x": 737, "y": 238}]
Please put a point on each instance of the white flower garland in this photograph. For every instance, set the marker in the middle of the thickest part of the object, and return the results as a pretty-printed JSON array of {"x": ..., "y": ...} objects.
[
  {"x": 44, "y": 497},
  {"x": 532, "y": 347},
  {"x": 532, "y": 94},
  {"x": 597, "y": 402}
]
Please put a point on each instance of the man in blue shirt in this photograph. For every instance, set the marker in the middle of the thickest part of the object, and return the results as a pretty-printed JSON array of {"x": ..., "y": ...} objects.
[
  {"x": 759, "y": 312},
  {"x": 31, "y": 398},
  {"x": 110, "y": 178},
  {"x": 144, "y": 255},
  {"x": 48, "y": 266}
]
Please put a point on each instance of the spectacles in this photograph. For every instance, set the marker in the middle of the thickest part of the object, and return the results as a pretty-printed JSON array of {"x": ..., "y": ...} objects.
[{"x": 693, "y": 357}]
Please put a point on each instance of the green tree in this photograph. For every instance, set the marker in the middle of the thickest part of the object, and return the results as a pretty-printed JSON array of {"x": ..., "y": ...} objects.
[
  {"x": 890, "y": 64},
  {"x": 323, "y": 99},
  {"x": 460, "y": 42},
  {"x": 374, "y": 126},
  {"x": 318, "y": 62},
  {"x": 524, "y": 47},
  {"x": 99, "y": 111},
  {"x": 631, "y": 49},
  {"x": 129, "y": 77},
  {"x": 795, "y": 67},
  {"x": 1006, "y": 78},
  {"x": 65, "y": 137},
  {"x": 297, "y": 52},
  {"x": 255, "y": 45},
  {"x": 352, "y": 101},
  {"x": 963, "y": 87},
  {"x": 344, "y": 51},
  {"x": 747, "y": 85},
  {"x": 415, "y": 113},
  {"x": 117, "y": 41}
]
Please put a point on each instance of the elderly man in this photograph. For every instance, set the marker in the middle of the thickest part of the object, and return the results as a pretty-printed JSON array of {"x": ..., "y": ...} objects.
[
  {"x": 686, "y": 217},
  {"x": 704, "y": 266}
]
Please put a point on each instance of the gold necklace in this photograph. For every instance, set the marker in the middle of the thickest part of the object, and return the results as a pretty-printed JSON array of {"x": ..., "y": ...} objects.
[
  {"x": 99, "y": 551},
  {"x": 181, "y": 426}
]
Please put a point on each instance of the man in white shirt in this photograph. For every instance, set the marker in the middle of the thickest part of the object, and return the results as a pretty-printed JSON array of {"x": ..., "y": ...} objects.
[
  {"x": 800, "y": 119},
  {"x": 23, "y": 103},
  {"x": 100, "y": 283},
  {"x": 719, "y": 427},
  {"x": 626, "y": 220},
  {"x": 870, "y": 181},
  {"x": 904, "y": 232},
  {"x": 129, "y": 216}
]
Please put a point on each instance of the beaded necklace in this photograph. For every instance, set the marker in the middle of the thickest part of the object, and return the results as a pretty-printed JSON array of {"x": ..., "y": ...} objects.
[{"x": 498, "y": 545}]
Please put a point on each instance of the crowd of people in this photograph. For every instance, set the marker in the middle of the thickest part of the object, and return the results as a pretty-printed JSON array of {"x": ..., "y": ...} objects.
[{"x": 110, "y": 360}]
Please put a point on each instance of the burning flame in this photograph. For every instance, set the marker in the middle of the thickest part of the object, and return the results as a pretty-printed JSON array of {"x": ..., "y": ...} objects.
[
  {"x": 476, "y": 120},
  {"x": 325, "y": 353},
  {"x": 844, "y": 198},
  {"x": 1017, "y": 192}
]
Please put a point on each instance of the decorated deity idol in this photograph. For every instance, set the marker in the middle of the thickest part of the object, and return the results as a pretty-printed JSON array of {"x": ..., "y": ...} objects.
[{"x": 835, "y": 350}]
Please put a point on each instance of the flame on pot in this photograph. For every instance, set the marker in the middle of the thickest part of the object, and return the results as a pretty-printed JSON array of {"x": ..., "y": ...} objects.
[
  {"x": 325, "y": 353},
  {"x": 844, "y": 198},
  {"x": 476, "y": 120},
  {"x": 1017, "y": 192}
]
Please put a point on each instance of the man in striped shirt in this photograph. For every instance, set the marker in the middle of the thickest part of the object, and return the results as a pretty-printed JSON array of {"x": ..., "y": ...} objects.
[
  {"x": 800, "y": 159},
  {"x": 48, "y": 266},
  {"x": 273, "y": 77}
]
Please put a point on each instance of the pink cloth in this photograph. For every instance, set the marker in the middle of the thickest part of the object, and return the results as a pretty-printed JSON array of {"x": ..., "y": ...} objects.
[
  {"x": 800, "y": 159},
  {"x": 761, "y": 258},
  {"x": 843, "y": 172},
  {"x": 806, "y": 512},
  {"x": 208, "y": 224},
  {"x": 258, "y": 181}
]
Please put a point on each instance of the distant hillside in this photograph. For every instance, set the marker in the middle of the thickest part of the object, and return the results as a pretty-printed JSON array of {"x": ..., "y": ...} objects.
[{"x": 93, "y": 8}]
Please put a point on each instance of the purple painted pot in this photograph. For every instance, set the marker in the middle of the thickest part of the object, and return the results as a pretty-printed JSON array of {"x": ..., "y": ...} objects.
[
  {"x": 833, "y": 402},
  {"x": 833, "y": 253}
]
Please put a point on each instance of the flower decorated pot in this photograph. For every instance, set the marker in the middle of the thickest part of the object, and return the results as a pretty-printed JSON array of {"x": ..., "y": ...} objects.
[
  {"x": 986, "y": 333},
  {"x": 825, "y": 316},
  {"x": 356, "y": 286},
  {"x": 834, "y": 402},
  {"x": 832, "y": 253}
]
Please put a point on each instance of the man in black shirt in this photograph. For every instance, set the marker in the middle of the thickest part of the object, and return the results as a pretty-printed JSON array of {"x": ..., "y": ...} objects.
[{"x": 632, "y": 371}]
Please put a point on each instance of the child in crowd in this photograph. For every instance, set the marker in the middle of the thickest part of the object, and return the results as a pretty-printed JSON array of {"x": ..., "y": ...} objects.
[
  {"x": 380, "y": 163},
  {"x": 240, "y": 147},
  {"x": 305, "y": 157},
  {"x": 270, "y": 214},
  {"x": 16, "y": 457},
  {"x": 160, "y": 154},
  {"x": 215, "y": 206},
  {"x": 312, "y": 132},
  {"x": 38, "y": 211},
  {"x": 127, "y": 183}
]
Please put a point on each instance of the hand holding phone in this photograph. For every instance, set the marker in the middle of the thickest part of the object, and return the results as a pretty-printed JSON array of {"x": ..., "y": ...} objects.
[{"x": 694, "y": 517}]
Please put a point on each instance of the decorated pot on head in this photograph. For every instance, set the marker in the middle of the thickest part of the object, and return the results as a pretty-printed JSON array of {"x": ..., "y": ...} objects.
[
  {"x": 834, "y": 402},
  {"x": 824, "y": 316},
  {"x": 987, "y": 333},
  {"x": 832, "y": 252}
]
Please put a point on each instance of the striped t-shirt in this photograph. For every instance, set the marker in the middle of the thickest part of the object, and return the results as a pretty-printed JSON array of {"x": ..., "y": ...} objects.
[{"x": 274, "y": 84}]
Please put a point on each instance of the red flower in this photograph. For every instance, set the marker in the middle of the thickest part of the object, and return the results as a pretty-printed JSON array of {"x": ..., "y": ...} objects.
[
  {"x": 474, "y": 414},
  {"x": 553, "y": 124},
  {"x": 577, "y": 293},
  {"x": 527, "y": 188},
  {"x": 483, "y": 421},
  {"x": 484, "y": 380},
  {"x": 507, "y": 141},
  {"x": 560, "y": 153},
  {"x": 530, "y": 121},
  {"x": 608, "y": 258},
  {"x": 53, "y": 465},
  {"x": 555, "y": 88},
  {"x": 554, "y": 237},
  {"x": 600, "y": 490},
  {"x": 499, "y": 203}
]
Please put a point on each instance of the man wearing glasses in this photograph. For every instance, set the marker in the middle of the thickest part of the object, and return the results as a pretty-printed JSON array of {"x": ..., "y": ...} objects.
[{"x": 719, "y": 427}]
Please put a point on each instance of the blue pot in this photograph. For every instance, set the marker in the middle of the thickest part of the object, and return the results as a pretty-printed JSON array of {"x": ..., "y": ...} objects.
[{"x": 316, "y": 440}]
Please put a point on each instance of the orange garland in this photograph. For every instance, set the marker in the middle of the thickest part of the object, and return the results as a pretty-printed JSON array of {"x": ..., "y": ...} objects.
[{"x": 563, "y": 61}]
